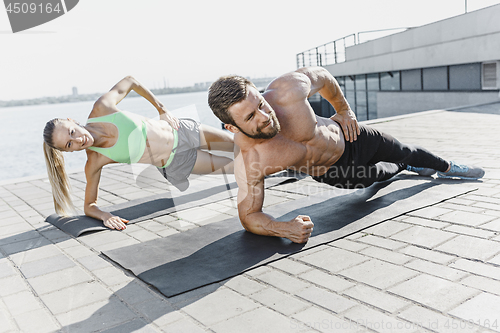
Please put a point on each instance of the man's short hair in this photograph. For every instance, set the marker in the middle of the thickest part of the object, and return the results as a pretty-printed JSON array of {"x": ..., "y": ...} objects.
[{"x": 225, "y": 92}]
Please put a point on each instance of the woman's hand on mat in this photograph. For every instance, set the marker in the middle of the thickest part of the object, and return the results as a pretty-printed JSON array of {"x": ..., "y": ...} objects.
[
  {"x": 300, "y": 229},
  {"x": 347, "y": 119},
  {"x": 169, "y": 118},
  {"x": 114, "y": 222}
]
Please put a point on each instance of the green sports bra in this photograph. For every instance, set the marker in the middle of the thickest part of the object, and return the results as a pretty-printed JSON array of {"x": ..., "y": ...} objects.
[{"x": 131, "y": 141}]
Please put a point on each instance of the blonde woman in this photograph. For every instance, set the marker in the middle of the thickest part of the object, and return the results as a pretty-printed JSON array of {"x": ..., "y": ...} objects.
[{"x": 115, "y": 136}]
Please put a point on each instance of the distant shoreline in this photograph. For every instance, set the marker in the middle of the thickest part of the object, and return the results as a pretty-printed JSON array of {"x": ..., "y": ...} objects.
[
  {"x": 259, "y": 82},
  {"x": 91, "y": 97}
]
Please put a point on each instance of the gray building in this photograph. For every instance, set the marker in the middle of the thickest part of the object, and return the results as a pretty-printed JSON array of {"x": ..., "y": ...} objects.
[{"x": 450, "y": 63}]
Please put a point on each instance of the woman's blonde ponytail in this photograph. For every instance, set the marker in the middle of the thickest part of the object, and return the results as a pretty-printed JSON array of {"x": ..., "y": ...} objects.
[{"x": 54, "y": 160}]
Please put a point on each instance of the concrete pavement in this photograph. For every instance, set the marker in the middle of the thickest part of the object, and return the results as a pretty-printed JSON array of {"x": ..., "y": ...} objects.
[{"x": 432, "y": 270}]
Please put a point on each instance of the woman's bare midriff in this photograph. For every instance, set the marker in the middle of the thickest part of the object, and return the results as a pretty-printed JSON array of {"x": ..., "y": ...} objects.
[{"x": 161, "y": 139}]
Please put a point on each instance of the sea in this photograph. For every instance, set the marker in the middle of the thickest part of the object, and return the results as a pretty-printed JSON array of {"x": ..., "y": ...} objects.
[{"x": 21, "y": 129}]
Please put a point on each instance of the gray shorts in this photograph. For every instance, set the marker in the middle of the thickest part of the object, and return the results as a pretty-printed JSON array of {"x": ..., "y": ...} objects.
[{"x": 185, "y": 153}]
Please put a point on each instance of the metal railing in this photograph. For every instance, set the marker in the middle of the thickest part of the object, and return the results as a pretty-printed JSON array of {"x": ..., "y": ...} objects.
[
  {"x": 326, "y": 54},
  {"x": 334, "y": 52}
]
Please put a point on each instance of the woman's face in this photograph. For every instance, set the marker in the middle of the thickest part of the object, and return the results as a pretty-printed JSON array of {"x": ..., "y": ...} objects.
[{"x": 69, "y": 136}]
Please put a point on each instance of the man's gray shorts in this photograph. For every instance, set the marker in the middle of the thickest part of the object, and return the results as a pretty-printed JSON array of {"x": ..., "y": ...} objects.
[{"x": 185, "y": 154}]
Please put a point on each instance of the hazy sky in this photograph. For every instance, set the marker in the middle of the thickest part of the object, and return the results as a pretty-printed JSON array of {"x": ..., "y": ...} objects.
[{"x": 100, "y": 41}]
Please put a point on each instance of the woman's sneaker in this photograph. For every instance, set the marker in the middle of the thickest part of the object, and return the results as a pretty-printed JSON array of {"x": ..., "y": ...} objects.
[
  {"x": 421, "y": 171},
  {"x": 462, "y": 171}
]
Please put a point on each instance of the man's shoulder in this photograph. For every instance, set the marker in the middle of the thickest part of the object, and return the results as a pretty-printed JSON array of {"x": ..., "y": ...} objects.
[{"x": 288, "y": 88}]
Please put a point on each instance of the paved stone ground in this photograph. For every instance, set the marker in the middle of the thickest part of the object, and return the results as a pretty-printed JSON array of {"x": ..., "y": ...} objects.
[{"x": 433, "y": 270}]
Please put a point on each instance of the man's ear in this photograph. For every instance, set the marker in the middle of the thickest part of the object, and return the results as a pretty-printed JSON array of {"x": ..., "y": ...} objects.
[{"x": 231, "y": 128}]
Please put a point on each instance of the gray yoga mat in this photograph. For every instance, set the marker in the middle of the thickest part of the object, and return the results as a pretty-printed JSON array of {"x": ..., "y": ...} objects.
[
  {"x": 219, "y": 188},
  {"x": 217, "y": 251}
]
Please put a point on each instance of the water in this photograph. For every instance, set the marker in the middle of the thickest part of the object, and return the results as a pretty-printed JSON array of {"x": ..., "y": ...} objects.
[{"x": 21, "y": 129}]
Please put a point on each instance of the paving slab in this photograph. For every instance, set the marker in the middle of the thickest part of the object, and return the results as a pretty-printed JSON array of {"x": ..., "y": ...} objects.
[
  {"x": 385, "y": 243},
  {"x": 438, "y": 293},
  {"x": 483, "y": 310},
  {"x": 326, "y": 280},
  {"x": 320, "y": 320},
  {"x": 422, "y": 236},
  {"x": 95, "y": 317},
  {"x": 387, "y": 228},
  {"x": 136, "y": 325},
  {"x": 73, "y": 297},
  {"x": 378, "y": 273},
  {"x": 386, "y": 255},
  {"x": 470, "y": 247},
  {"x": 326, "y": 299},
  {"x": 45, "y": 266},
  {"x": 333, "y": 259},
  {"x": 40, "y": 321},
  {"x": 368, "y": 318},
  {"x": 244, "y": 285},
  {"x": 158, "y": 311},
  {"x": 282, "y": 281},
  {"x": 482, "y": 283},
  {"x": 47, "y": 283},
  {"x": 436, "y": 321},
  {"x": 257, "y": 320},
  {"x": 21, "y": 303},
  {"x": 427, "y": 255},
  {"x": 376, "y": 298},
  {"x": 467, "y": 218},
  {"x": 478, "y": 268},
  {"x": 429, "y": 268},
  {"x": 219, "y": 306},
  {"x": 290, "y": 266},
  {"x": 12, "y": 285},
  {"x": 279, "y": 301}
]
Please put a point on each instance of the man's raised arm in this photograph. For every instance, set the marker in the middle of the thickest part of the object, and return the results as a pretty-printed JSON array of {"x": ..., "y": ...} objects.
[
  {"x": 254, "y": 220},
  {"x": 327, "y": 86}
]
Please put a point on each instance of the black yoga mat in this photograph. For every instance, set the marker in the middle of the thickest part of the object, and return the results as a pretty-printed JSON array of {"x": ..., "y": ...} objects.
[
  {"x": 221, "y": 187},
  {"x": 217, "y": 251}
]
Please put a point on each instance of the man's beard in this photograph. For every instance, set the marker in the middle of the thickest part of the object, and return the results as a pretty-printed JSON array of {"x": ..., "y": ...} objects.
[{"x": 276, "y": 127}]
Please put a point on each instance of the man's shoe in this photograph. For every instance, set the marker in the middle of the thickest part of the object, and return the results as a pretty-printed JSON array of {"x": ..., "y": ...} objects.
[
  {"x": 421, "y": 171},
  {"x": 462, "y": 171}
]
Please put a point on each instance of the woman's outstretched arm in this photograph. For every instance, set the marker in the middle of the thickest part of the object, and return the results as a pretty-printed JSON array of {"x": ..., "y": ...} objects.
[
  {"x": 93, "y": 175},
  {"x": 110, "y": 99}
]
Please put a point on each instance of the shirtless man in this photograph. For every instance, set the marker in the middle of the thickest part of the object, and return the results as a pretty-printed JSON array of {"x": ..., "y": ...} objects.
[{"x": 278, "y": 130}]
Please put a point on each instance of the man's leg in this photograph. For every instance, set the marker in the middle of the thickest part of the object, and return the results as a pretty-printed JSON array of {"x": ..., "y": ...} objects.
[
  {"x": 389, "y": 149},
  {"x": 377, "y": 156}
]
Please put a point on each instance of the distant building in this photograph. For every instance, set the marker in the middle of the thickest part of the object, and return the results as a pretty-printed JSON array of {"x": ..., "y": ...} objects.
[
  {"x": 75, "y": 91},
  {"x": 202, "y": 85},
  {"x": 450, "y": 63}
]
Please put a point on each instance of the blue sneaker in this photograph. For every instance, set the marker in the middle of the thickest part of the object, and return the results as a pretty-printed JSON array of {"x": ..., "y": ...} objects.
[
  {"x": 421, "y": 171},
  {"x": 462, "y": 171}
]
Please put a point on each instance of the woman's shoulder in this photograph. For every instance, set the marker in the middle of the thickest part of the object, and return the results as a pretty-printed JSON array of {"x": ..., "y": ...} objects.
[{"x": 102, "y": 108}]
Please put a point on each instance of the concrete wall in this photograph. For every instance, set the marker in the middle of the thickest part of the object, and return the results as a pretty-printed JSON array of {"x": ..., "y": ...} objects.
[
  {"x": 467, "y": 38},
  {"x": 396, "y": 103}
]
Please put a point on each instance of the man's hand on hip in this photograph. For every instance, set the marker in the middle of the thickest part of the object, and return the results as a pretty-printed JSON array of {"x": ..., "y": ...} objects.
[{"x": 347, "y": 119}]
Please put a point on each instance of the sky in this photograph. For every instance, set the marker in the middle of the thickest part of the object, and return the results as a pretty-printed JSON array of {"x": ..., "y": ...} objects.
[{"x": 179, "y": 43}]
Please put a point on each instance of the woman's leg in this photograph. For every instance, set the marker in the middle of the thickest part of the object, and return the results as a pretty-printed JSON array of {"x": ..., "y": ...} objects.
[
  {"x": 215, "y": 139},
  {"x": 209, "y": 163}
]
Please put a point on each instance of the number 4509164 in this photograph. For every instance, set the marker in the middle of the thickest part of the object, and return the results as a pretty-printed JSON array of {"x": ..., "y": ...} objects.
[{"x": 24, "y": 7}]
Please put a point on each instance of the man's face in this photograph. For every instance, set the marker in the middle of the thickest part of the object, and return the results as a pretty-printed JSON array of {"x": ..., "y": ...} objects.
[{"x": 254, "y": 117}]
